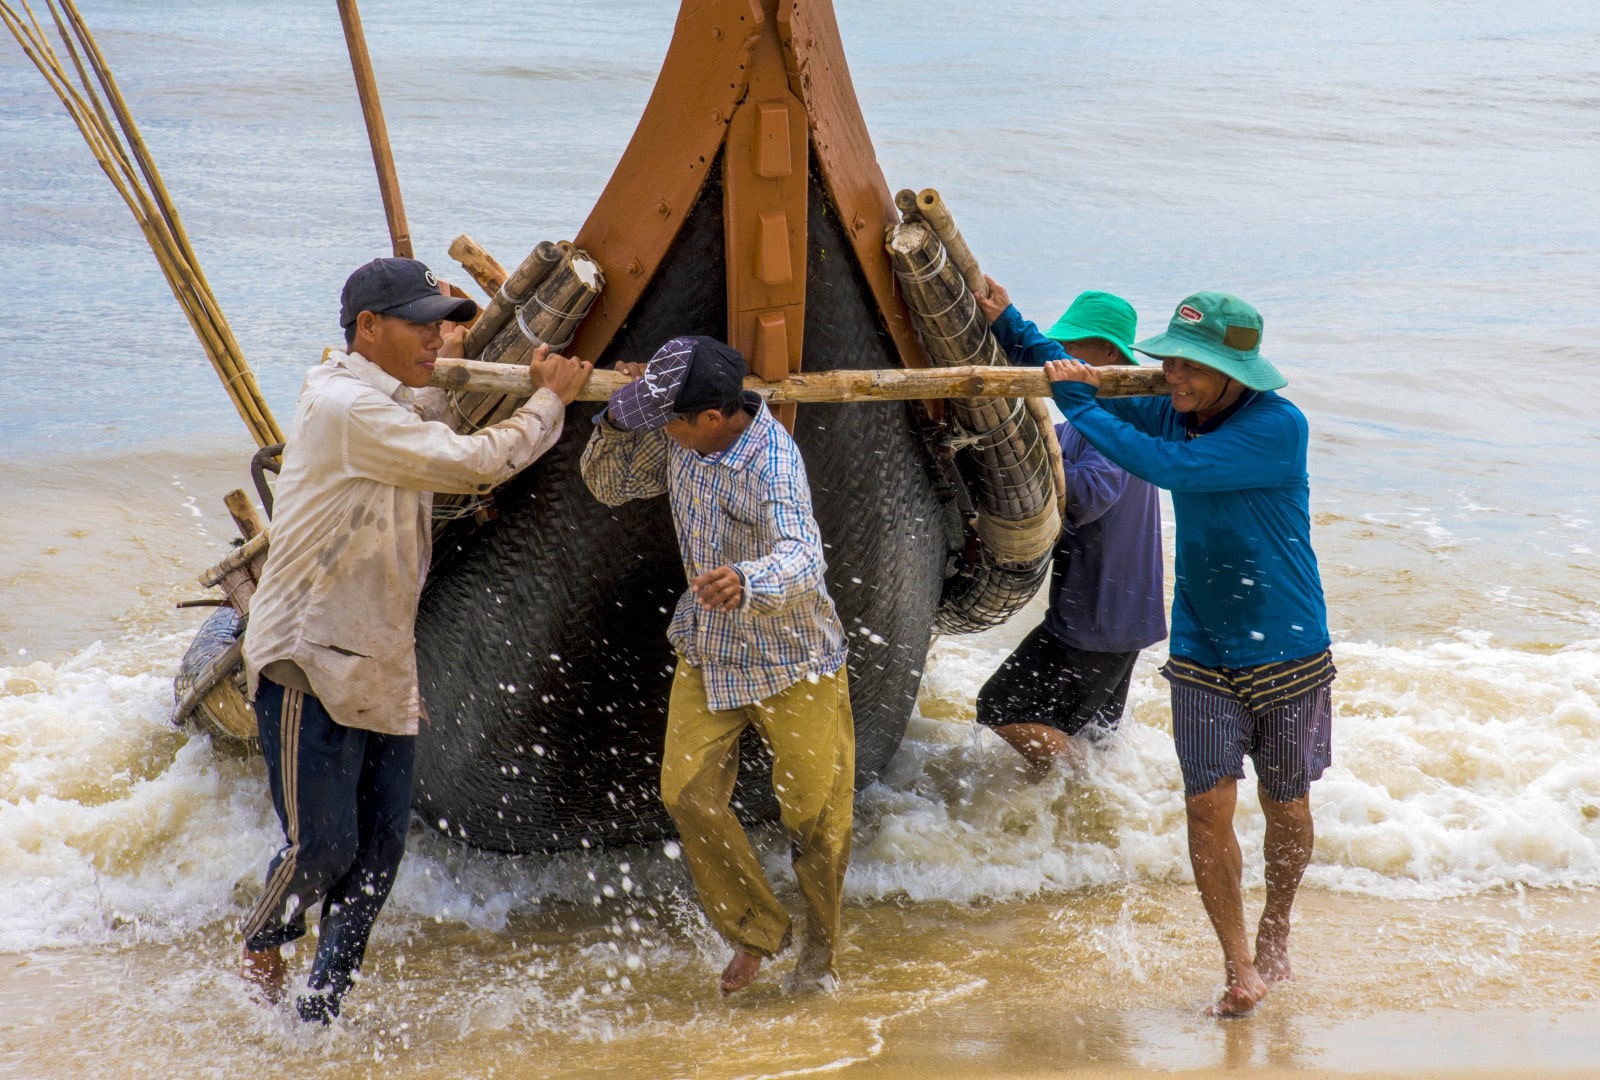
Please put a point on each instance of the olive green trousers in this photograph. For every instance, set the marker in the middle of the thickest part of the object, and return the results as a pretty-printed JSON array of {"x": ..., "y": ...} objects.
[{"x": 811, "y": 734}]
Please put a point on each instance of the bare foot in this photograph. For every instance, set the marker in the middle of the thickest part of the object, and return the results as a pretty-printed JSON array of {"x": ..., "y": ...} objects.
[
  {"x": 1272, "y": 956},
  {"x": 740, "y": 972},
  {"x": 265, "y": 973},
  {"x": 1245, "y": 990},
  {"x": 814, "y": 971}
]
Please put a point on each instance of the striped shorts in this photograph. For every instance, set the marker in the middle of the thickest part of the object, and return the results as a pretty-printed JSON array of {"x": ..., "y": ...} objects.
[{"x": 1290, "y": 742}]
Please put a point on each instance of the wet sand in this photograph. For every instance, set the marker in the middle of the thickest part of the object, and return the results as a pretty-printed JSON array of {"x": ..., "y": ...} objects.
[
  {"x": 85, "y": 538},
  {"x": 1105, "y": 982}
]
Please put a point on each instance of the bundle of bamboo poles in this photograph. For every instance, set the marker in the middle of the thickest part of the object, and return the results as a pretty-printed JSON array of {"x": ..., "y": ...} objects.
[
  {"x": 541, "y": 303},
  {"x": 928, "y": 207},
  {"x": 513, "y": 293},
  {"x": 1014, "y": 455},
  {"x": 132, "y": 171}
]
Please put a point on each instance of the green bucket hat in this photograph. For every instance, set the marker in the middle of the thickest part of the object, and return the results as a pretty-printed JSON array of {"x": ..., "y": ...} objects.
[
  {"x": 1098, "y": 315},
  {"x": 1223, "y": 333}
]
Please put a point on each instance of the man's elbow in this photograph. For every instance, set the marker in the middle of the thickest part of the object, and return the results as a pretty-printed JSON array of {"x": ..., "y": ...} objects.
[{"x": 604, "y": 493}]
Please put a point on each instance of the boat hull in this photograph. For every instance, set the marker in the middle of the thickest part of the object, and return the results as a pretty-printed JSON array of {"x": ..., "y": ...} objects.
[{"x": 541, "y": 636}]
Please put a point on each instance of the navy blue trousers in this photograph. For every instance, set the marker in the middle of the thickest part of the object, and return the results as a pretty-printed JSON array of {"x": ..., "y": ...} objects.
[{"x": 343, "y": 796}]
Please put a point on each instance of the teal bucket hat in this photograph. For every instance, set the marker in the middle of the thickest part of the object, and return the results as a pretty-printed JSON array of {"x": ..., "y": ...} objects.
[
  {"x": 1223, "y": 333},
  {"x": 1098, "y": 315}
]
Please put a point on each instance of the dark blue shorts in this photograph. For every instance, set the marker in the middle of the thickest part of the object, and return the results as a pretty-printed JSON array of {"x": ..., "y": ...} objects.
[
  {"x": 1046, "y": 681},
  {"x": 1291, "y": 743}
]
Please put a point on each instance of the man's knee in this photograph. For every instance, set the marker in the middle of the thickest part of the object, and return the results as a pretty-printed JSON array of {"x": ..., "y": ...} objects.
[
  {"x": 685, "y": 799},
  {"x": 1213, "y": 808},
  {"x": 327, "y": 858}
]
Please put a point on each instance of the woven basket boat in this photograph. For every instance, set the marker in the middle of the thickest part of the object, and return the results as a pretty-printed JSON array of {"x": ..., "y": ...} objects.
[{"x": 748, "y": 206}]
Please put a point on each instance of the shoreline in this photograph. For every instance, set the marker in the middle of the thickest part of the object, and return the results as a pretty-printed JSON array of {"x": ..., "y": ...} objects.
[{"x": 1095, "y": 983}]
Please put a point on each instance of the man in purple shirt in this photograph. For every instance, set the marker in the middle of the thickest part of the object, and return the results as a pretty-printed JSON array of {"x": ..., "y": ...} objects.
[{"x": 1068, "y": 680}]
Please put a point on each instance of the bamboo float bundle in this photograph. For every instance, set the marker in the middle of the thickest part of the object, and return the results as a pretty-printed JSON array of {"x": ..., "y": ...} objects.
[
  {"x": 512, "y": 293},
  {"x": 133, "y": 173},
  {"x": 929, "y": 208},
  {"x": 564, "y": 290},
  {"x": 1018, "y": 517},
  {"x": 549, "y": 317},
  {"x": 840, "y": 385}
]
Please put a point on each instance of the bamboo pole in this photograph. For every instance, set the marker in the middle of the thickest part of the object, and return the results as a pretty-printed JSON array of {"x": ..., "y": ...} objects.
[
  {"x": 511, "y": 294},
  {"x": 244, "y": 514},
  {"x": 394, "y": 210},
  {"x": 133, "y": 174},
  {"x": 937, "y": 215},
  {"x": 881, "y": 384},
  {"x": 482, "y": 267}
]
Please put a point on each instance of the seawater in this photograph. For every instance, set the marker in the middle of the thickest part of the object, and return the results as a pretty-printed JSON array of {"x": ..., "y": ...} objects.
[{"x": 1407, "y": 193}]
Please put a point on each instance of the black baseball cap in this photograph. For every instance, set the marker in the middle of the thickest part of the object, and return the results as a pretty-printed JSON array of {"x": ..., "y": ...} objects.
[{"x": 403, "y": 288}]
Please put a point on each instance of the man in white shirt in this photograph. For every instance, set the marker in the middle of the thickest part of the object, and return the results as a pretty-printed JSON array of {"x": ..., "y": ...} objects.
[{"x": 330, "y": 651}]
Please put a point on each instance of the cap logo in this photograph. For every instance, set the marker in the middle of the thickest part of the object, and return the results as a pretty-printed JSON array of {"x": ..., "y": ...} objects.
[
  {"x": 427, "y": 275},
  {"x": 1190, "y": 314}
]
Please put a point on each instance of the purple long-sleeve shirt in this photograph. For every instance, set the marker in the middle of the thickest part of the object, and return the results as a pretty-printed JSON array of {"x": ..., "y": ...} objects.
[{"x": 1106, "y": 582}]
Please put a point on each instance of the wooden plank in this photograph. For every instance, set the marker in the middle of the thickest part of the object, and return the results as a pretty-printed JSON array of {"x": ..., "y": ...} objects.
[{"x": 892, "y": 384}]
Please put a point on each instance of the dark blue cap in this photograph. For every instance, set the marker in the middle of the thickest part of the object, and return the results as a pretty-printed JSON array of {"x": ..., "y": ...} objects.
[{"x": 403, "y": 288}]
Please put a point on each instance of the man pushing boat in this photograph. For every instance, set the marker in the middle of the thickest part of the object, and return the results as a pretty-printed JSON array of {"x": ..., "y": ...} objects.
[
  {"x": 1066, "y": 685},
  {"x": 1249, "y": 665},
  {"x": 331, "y": 650},
  {"x": 758, "y": 643}
]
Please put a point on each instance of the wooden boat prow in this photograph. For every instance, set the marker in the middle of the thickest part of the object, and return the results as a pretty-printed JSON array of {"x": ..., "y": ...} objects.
[{"x": 748, "y": 206}]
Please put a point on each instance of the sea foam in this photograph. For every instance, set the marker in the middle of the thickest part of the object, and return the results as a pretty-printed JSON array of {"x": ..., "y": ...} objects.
[{"x": 1459, "y": 767}]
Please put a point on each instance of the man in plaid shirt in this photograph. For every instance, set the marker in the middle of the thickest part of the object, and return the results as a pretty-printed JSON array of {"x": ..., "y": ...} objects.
[{"x": 757, "y": 638}]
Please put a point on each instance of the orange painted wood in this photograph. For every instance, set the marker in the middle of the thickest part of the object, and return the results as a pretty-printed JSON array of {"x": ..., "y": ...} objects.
[
  {"x": 771, "y": 351},
  {"x": 656, "y": 182},
  {"x": 773, "y": 151},
  {"x": 820, "y": 77},
  {"x": 766, "y": 177},
  {"x": 774, "y": 261}
]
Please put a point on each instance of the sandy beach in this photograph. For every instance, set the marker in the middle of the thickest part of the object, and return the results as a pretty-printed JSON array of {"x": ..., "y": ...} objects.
[{"x": 1104, "y": 983}]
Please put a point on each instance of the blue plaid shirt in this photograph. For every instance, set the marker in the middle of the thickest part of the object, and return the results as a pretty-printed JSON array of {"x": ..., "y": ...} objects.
[{"x": 748, "y": 507}]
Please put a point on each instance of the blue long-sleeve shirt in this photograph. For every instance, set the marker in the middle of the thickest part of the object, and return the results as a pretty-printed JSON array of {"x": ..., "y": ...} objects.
[
  {"x": 1247, "y": 589},
  {"x": 1106, "y": 580}
]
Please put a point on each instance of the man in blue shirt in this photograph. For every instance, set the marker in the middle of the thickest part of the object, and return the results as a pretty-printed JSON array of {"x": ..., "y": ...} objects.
[
  {"x": 1068, "y": 680},
  {"x": 1250, "y": 669}
]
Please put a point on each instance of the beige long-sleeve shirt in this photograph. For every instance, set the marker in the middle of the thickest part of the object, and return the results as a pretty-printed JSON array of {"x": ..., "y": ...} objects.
[{"x": 351, "y": 532}]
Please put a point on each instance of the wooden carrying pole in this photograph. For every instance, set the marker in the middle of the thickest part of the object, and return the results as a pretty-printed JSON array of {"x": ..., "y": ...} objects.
[
  {"x": 377, "y": 132},
  {"x": 883, "y": 384}
]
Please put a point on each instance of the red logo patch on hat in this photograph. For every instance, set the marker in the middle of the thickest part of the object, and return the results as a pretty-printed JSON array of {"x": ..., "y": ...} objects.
[{"x": 1189, "y": 314}]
